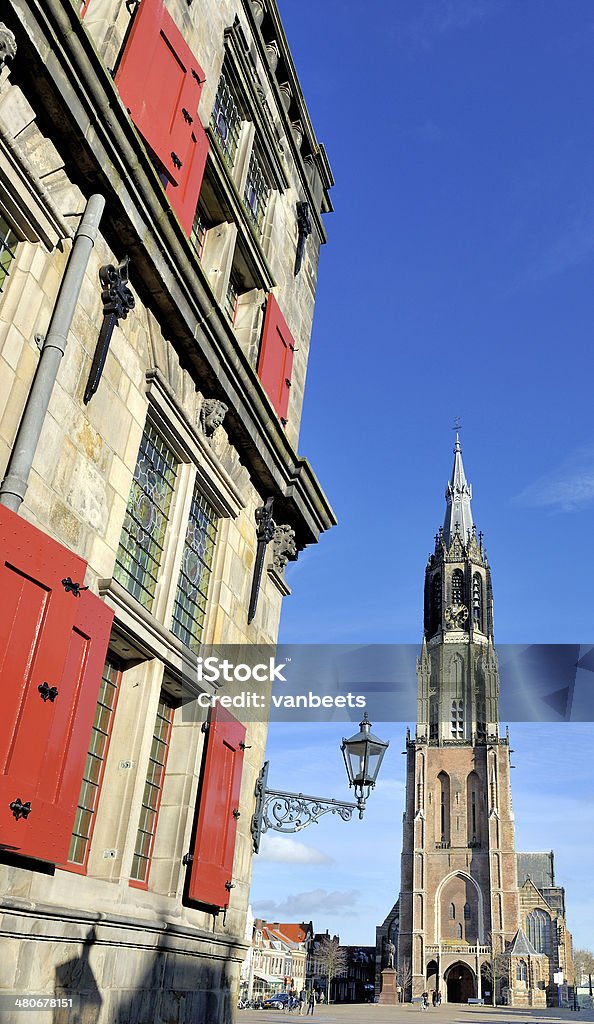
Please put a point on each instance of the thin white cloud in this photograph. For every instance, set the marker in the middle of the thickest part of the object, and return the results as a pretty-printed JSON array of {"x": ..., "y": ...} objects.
[
  {"x": 315, "y": 903},
  {"x": 283, "y": 850},
  {"x": 567, "y": 488},
  {"x": 573, "y": 244},
  {"x": 440, "y": 18}
]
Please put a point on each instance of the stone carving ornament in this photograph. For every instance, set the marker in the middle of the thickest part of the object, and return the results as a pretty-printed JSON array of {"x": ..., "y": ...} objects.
[
  {"x": 8, "y": 46},
  {"x": 212, "y": 414},
  {"x": 284, "y": 547}
]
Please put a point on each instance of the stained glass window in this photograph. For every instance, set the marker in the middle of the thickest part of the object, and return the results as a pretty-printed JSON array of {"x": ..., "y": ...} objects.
[
  {"x": 93, "y": 773},
  {"x": 192, "y": 589},
  {"x": 153, "y": 788},
  {"x": 143, "y": 533},
  {"x": 8, "y": 245}
]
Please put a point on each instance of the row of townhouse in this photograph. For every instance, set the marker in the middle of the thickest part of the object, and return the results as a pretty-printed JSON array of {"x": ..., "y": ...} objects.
[{"x": 161, "y": 201}]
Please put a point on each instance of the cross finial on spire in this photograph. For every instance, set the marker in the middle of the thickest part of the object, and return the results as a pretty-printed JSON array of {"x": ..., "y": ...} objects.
[{"x": 457, "y": 425}]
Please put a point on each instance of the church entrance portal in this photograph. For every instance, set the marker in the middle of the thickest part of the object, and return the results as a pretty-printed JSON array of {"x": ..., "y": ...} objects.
[{"x": 459, "y": 983}]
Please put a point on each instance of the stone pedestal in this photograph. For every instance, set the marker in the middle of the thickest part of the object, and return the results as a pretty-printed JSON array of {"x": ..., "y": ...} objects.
[{"x": 388, "y": 994}]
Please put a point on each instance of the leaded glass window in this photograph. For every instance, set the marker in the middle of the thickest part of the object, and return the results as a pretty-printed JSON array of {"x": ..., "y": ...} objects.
[
  {"x": 231, "y": 299},
  {"x": 521, "y": 972},
  {"x": 257, "y": 192},
  {"x": 94, "y": 767},
  {"x": 153, "y": 788},
  {"x": 143, "y": 534},
  {"x": 189, "y": 608},
  {"x": 538, "y": 929},
  {"x": 198, "y": 234},
  {"x": 8, "y": 245},
  {"x": 226, "y": 119}
]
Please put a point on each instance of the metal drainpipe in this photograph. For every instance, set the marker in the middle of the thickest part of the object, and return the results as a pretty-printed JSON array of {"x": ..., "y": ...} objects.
[{"x": 16, "y": 480}]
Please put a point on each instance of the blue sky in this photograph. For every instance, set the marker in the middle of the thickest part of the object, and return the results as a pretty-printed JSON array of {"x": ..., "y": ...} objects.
[{"x": 457, "y": 281}]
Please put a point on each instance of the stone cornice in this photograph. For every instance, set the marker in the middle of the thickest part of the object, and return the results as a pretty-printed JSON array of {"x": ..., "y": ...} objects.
[{"x": 79, "y": 107}]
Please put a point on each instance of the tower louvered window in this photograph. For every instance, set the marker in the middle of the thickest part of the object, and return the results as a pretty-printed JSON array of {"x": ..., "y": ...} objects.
[
  {"x": 457, "y": 587},
  {"x": 477, "y": 601}
]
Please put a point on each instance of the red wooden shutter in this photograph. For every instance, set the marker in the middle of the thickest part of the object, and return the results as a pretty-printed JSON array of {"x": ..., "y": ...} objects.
[
  {"x": 275, "y": 363},
  {"x": 214, "y": 846},
  {"x": 47, "y": 636},
  {"x": 160, "y": 81}
]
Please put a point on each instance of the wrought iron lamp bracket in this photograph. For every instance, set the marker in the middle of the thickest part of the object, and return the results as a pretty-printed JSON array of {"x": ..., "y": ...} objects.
[{"x": 291, "y": 812}]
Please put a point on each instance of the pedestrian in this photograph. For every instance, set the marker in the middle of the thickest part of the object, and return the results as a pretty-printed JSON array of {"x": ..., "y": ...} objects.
[
  {"x": 302, "y": 1001},
  {"x": 425, "y": 998},
  {"x": 322, "y": 996},
  {"x": 438, "y": 997},
  {"x": 311, "y": 1002},
  {"x": 434, "y": 998}
]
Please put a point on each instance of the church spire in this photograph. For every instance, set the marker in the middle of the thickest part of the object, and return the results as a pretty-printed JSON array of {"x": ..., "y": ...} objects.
[{"x": 458, "y": 517}]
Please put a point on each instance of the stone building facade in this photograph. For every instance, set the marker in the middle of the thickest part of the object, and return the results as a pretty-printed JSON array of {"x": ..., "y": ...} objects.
[
  {"x": 177, "y": 135},
  {"x": 459, "y": 923}
]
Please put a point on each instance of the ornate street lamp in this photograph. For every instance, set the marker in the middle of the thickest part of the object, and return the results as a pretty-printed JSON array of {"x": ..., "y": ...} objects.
[
  {"x": 363, "y": 755},
  {"x": 292, "y": 812}
]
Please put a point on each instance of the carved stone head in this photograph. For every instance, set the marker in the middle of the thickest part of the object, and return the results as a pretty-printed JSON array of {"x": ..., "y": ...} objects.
[
  {"x": 212, "y": 414},
  {"x": 8, "y": 47},
  {"x": 284, "y": 547}
]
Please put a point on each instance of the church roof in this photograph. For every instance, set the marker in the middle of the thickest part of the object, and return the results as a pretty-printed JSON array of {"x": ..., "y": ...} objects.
[
  {"x": 521, "y": 945},
  {"x": 458, "y": 517},
  {"x": 538, "y": 867}
]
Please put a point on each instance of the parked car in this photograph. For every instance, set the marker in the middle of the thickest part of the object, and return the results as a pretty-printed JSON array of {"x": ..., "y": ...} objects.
[{"x": 276, "y": 1002}]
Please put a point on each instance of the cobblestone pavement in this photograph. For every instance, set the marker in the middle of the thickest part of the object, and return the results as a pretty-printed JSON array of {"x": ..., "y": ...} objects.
[{"x": 455, "y": 1013}]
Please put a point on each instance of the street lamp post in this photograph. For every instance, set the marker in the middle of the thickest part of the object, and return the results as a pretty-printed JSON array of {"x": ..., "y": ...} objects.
[{"x": 286, "y": 812}]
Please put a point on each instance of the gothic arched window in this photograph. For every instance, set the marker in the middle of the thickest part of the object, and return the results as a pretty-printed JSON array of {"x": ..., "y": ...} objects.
[
  {"x": 459, "y": 931},
  {"x": 452, "y": 911},
  {"x": 458, "y": 719},
  {"x": 444, "y": 807},
  {"x": 457, "y": 587},
  {"x": 521, "y": 972},
  {"x": 436, "y": 601},
  {"x": 538, "y": 929},
  {"x": 467, "y": 911},
  {"x": 477, "y": 601}
]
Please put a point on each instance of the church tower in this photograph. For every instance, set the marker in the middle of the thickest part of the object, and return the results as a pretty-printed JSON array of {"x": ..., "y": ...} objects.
[{"x": 459, "y": 902}]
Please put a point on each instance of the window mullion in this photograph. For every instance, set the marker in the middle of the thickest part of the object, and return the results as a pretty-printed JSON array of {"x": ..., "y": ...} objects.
[{"x": 174, "y": 551}]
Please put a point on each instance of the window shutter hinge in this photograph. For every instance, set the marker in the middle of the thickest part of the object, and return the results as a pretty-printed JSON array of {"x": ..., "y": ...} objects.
[
  {"x": 187, "y": 859},
  {"x": 47, "y": 692},
  {"x": 236, "y": 813},
  {"x": 20, "y": 810},
  {"x": 195, "y": 75},
  {"x": 187, "y": 116},
  {"x": 229, "y": 886},
  {"x": 74, "y": 588},
  {"x": 176, "y": 161}
]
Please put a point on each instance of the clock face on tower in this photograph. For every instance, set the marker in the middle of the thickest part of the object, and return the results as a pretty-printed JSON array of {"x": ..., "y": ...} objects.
[{"x": 456, "y": 616}]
